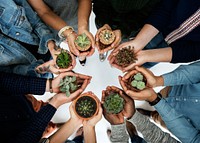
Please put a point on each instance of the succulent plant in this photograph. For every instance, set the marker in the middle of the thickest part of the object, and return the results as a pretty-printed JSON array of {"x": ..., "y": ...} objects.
[
  {"x": 68, "y": 85},
  {"x": 86, "y": 106},
  {"x": 125, "y": 57},
  {"x": 83, "y": 42},
  {"x": 106, "y": 37},
  {"x": 114, "y": 103},
  {"x": 138, "y": 81},
  {"x": 63, "y": 59}
]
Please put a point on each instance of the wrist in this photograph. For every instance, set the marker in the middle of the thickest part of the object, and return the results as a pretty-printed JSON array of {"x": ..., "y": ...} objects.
[
  {"x": 159, "y": 81},
  {"x": 65, "y": 31},
  {"x": 49, "y": 85},
  {"x": 156, "y": 99}
]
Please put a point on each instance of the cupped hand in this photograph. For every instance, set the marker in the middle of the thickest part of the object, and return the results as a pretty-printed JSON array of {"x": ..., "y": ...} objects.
[{"x": 73, "y": 116}]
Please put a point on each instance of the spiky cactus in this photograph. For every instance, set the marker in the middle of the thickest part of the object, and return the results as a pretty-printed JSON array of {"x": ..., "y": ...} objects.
[
  {"x": 86, "y": 106},
  {"x": 138, "y": 81},
  {"x": 106, "y": 37},
  {"x": 68, "y": 85},
  {"x": 125, "y": 57},
  {"x": 114, "y": 103},
  {"x": 83, "y": 42},
  {"x": 63, "y": 59}
]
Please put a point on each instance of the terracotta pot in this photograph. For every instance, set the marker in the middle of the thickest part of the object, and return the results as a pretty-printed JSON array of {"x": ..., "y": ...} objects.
[
  {"x": 89, "y": 110},
  {"x": 130, "y": 79},
  {"x": 83, "y": 49},
  {"x": 106, "y": 37},
  {"x": 59, "y": 58}
]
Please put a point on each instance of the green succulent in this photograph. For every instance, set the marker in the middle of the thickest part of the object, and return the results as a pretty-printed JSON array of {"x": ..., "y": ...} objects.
[
  {"x": 68, "y": 85},
  {"x": 64, "y": 59},
  {"x": 86, "y": 106},
  {"x": 82, "y": 40},
  {"x": 138, "y": 82},
  {"x": 114, "y": 103}
]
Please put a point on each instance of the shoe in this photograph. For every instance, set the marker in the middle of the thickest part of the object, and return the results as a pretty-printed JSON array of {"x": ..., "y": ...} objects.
[
  {"x": 144, "y": 112},
  {"x": 82, "y": 62},
  {"x": 103, "y": 56},
  {"x": 131, "y": 129}
]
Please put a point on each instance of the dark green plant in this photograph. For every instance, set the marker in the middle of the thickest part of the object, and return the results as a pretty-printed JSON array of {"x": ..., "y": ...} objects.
[
  {"x": 86, "y": 106},
  {"x": 113, "y": 103},
  {"x": 82, "y": 41},
  {"x": 138, "y": 81},
  {"x": 125, "y": 57},
  {"x": 68, "y": 85},
  {"x": 63, "y": 59}
]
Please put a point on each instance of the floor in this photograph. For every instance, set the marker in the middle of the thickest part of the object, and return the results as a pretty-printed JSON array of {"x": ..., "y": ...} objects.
[{"x": 102, "y": 76}]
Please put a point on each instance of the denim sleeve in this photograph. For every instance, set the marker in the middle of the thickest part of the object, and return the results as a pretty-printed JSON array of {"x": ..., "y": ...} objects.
[
  {"x": 149, "y": 130},
  {"x": 184, "y": 74},
  {"x": 177, "y": 123},
  {"x": 118, "y": 134}
]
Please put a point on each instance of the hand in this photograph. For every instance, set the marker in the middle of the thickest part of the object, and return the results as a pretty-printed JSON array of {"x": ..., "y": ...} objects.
[
  {"x": 113, "y": 45},
  {"x": 73, "y": 116},
  {"x": 93, "y": 121},
  {"x": 128, "y": 110},
  {"x": 56, "y": 81},
  {"x": 147, "y": 94}
]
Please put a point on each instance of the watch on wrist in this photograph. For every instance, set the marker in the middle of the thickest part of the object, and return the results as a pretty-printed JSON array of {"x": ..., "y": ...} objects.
[{"x": 159, "y": 96}]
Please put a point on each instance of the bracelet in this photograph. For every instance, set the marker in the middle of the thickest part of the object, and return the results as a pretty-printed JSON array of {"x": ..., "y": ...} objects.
[
  {"x": 50, "y": 85},
  {"x": 159, "y": 96},
  {"x": 60, "y": 33}
]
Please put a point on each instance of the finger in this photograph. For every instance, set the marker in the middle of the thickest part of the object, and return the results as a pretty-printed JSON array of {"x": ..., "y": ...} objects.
[
  {"x": 129, "y": 74},
  {"x": 106, "y": 49},
  {"x": 123, "y": 85},
  {"x": 144, "y": 71},
  {"x": 91, "y": 52},
  {"x": 129, "y": 67},
  {"x": 116, "y": 66}
]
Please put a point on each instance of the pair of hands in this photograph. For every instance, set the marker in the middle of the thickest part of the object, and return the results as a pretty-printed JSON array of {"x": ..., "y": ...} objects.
[
  {"x": 86, "y": 123},
  {"x": 61, "y": 98},
  {"x": 148, "y": 93},
  {"x": 127, "y": 112}
]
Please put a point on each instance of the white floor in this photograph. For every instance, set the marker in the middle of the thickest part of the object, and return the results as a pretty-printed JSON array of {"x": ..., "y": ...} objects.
[{"x": 102, "y": 76}]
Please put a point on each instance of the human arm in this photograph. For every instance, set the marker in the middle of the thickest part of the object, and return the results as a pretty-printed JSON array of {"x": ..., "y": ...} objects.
[
  {"x": 177, "y": 123},
  {"x": 150, "y": 131},
  {"x": 89, "y": 127}
]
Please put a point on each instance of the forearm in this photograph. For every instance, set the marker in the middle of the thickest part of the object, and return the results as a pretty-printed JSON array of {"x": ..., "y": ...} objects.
[
  {"x": 84, "y": 10},
  {"x": 158, "y": 55},
  {"x": 149, "y": 130},
  {"x": 184, "y": 74},
  {"x": 177, "y": 123},
  {"x": 119, "y": 134},
  {"x": 144, "y": 36},
  {"x": 64, "y": 132},
  {"x": 89, "y": 134}
]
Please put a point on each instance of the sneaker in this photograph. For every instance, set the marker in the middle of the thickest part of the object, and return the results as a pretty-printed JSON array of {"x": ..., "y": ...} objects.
[{"x": 103, "y": 56}]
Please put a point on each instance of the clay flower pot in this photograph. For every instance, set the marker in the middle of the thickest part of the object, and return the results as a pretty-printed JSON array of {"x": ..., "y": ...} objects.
[
  {"x": 106, "y": 38},
  {"x": 86, "y": 106},
  {"x": 70, "y": 84},
  {"x": 64, "y": 59},
  {"x": 114, "y": 102},
  {"x": 137, "y": 82},
  {"x": 83, "y": 42},
  {"x": 125, "y": 57}
]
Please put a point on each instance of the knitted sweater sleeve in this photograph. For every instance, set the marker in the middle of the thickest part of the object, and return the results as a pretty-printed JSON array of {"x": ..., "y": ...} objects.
[
  {"x": 33, "y": 132},
  {"x": 19, "y": 84},
  {"x": 149, "y": 130}
]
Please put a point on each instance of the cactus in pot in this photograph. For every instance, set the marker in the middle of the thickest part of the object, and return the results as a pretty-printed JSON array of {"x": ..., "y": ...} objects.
[
  {"x": 137, "y": 81},
  {"x": 82, "y": 42},
  {"x": 64, "y": 59}
]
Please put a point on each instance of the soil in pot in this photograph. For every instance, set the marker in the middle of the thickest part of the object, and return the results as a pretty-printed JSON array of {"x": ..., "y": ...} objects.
[
  {"x": 83, "y": 42},
  {"x": 64, "y": 59},
  {"x": 125, "y": 57}
]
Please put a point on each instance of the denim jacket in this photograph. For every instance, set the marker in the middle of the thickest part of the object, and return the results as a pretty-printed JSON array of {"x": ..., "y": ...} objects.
[{"x": 18, "y": 22}]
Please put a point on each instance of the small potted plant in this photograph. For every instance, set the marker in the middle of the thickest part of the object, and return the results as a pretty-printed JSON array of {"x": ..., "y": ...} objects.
[
  {"x": 82, "y": 42},
  {"x": 86, "y": 106},
  {"x": 137, "y": 82},
  {"x": 106, "y": 38},
  {"x": 113, "y": 102},
  {"x": 64, "y": 59},
  {"x": 70, "y": 84},
  {"x": 125, "y": 57}
]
